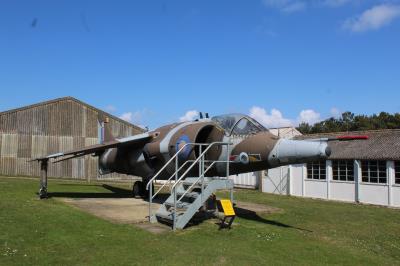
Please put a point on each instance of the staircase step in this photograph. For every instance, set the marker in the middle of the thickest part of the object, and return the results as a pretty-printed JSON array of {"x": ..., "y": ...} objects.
[
  {"x": 164, "y": 215},
  {"x": 189, "y": 183},
  {"x": 191, "y": 180},
  {"x": 193, "y": 195},
  {"x": 179, "y": 205}
]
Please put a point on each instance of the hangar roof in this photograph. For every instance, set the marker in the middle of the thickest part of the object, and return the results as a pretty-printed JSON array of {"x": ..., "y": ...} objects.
[
  {"x": 69, "y": 98},
  {"x": 381, "y": 145}
]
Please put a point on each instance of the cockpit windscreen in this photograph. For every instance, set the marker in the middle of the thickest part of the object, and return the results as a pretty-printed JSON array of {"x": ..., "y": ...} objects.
[{"x": 238, "y": 124}]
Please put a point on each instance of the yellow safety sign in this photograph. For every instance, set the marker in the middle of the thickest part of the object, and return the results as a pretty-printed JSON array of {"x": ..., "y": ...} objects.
[{"x": 227, "y": 207}]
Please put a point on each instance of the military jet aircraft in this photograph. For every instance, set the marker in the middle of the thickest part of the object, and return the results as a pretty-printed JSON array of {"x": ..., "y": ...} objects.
[{"x": 253, "y": 148}]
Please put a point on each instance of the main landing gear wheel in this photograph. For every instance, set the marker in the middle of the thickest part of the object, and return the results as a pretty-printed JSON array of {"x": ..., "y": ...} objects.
[{"x": 137, "y": 190}]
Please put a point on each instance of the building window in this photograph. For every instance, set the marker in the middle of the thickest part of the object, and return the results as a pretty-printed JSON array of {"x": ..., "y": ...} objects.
[
  {"x": 316, "y": 170},
  {"x": 343, "y": 170},
  {"x": 397, "y": 172},
  {"x": 374, "y": 172}
]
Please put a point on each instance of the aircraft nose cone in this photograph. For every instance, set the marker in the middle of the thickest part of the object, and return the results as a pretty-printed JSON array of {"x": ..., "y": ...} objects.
[{"x": 298, "y": 151}]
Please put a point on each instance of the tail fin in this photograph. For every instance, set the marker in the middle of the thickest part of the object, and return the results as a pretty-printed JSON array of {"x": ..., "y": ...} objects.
[{"x": 105, "y": 130}]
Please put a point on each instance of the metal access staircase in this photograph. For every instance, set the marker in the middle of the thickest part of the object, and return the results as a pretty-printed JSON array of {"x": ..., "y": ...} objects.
[{"x": 188, "y": 194}]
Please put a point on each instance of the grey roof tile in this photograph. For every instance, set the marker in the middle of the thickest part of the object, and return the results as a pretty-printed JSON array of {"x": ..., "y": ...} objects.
[{"x": 381, "y": 145}]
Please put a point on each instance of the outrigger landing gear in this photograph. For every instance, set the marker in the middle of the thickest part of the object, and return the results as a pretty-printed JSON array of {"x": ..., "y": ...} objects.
[{"x": 43, "y": 179}]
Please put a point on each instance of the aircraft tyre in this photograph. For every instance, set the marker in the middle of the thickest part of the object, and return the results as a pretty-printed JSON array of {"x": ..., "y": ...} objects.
[
  {"x": 137, "y": 190},
  {"x": 145, "y": 192}
]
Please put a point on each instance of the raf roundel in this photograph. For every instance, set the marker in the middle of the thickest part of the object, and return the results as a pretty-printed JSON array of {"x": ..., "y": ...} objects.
[{"x": 184, "y": 154}]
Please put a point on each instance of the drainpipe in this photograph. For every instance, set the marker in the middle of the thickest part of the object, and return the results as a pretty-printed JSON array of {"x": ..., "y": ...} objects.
[
  {"x": 390, "y": 175},
  {"x": 280, "y": 180},
  {"x": 357, "y": 179},
  {"x": 303, "y": 188},
  {"x": 289, "y": 181},
  {"x": 329, "y": 174}
]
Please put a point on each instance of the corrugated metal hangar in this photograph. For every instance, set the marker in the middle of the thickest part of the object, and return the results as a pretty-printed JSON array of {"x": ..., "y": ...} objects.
[{"x": 48, "y": 127}]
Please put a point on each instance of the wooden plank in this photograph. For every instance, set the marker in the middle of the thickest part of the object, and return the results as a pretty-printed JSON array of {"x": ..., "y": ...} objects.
[
  {"x": 24, "y": 146},
  {"x": 10, "y": 123},
  {"x": 24, "y": 167},
  {"x": 8, "y": 166},
  {"x": 53, "y": 144},
  {"x": 91, "y": 123},
  {"x": 91, "y": 167},
  {"x": 83, "y": 121},
  {"x": 78, "y": 142},
  {"x": 78, "y": 168},
  {"x": 9, "y": 145},
  {"x": 91, "y": 141},
  {"x": 2, "y": 124},
  {"x": 39, "y": 146}
]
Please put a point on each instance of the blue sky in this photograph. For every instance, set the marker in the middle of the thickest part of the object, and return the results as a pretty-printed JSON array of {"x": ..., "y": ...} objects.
[{"x": 282, "y": 61}]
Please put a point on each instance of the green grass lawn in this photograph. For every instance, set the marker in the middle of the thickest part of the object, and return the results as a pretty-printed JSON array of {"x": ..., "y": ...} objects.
[{"x": 306, "y": 231}]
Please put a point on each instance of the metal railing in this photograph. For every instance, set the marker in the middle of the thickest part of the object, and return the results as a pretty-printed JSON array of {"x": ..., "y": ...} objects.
[
  {"x": 178, "y": 178},
  {"x": 202, "y": 173},
  {"x": 169, "y": 180}
]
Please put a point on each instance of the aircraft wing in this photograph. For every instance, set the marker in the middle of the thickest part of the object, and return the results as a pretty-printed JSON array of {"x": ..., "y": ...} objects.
[{"x": 135, "y": 141}]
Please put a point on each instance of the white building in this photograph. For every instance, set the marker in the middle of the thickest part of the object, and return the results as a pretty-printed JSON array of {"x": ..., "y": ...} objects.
[
  {"x": 365, "y": 171},
  {"x": 285, "y": 132}
]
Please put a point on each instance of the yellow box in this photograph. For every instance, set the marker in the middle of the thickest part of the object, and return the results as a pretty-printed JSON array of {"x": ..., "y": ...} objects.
[{"x": 227, "y": 207}]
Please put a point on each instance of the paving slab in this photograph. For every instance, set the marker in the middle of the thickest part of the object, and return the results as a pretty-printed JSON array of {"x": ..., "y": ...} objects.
[{"x": 118, "y": 210}]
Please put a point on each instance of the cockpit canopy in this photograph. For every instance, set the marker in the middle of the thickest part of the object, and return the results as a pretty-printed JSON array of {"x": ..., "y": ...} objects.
[{"x": 238, "y": 124}]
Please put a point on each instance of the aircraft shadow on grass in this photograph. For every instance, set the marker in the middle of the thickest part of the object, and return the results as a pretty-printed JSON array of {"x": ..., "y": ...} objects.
[
  {"x": 116, "y": 193},
  {"x": 253, "y": 216},
  {"x": 119, "y": 193}
]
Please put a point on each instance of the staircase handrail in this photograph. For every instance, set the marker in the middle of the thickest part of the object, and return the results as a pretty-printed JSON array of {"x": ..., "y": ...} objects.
[
  {"x": 197, "y": 160},
  {"x": 197, "y": 180},
  {"x": 167, "y": 163},
  {"x": 168, "y": 181}
]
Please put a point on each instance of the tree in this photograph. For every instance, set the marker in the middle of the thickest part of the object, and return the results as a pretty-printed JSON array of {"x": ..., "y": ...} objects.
[{"x": 351, "y": 122}]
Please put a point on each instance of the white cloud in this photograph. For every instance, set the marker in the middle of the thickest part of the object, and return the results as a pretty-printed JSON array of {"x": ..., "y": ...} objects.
[
  {"x": 309, "y": 116},
  {"x": 126, "y": 116},
  {"x": 189, "y": 116},
  {"x": 135, "y": 118},
  {"x": 110, "y": 108},
  {"x": 373, "y": 19},
  {"x": 275, "y": 119},
  {"x": 287, "y": 6}
]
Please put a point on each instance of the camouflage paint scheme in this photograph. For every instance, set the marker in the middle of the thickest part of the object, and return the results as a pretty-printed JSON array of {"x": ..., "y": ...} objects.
[{"x": 144, "y": 154}]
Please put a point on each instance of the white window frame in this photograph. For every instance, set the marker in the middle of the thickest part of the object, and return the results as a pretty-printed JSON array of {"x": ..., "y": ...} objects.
[
  {"x": 397, "y": 172},
  {"x": 349, "y": 168},
  {"x": 320, "y": 165},
  {"x": 367, "y": 178}
]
